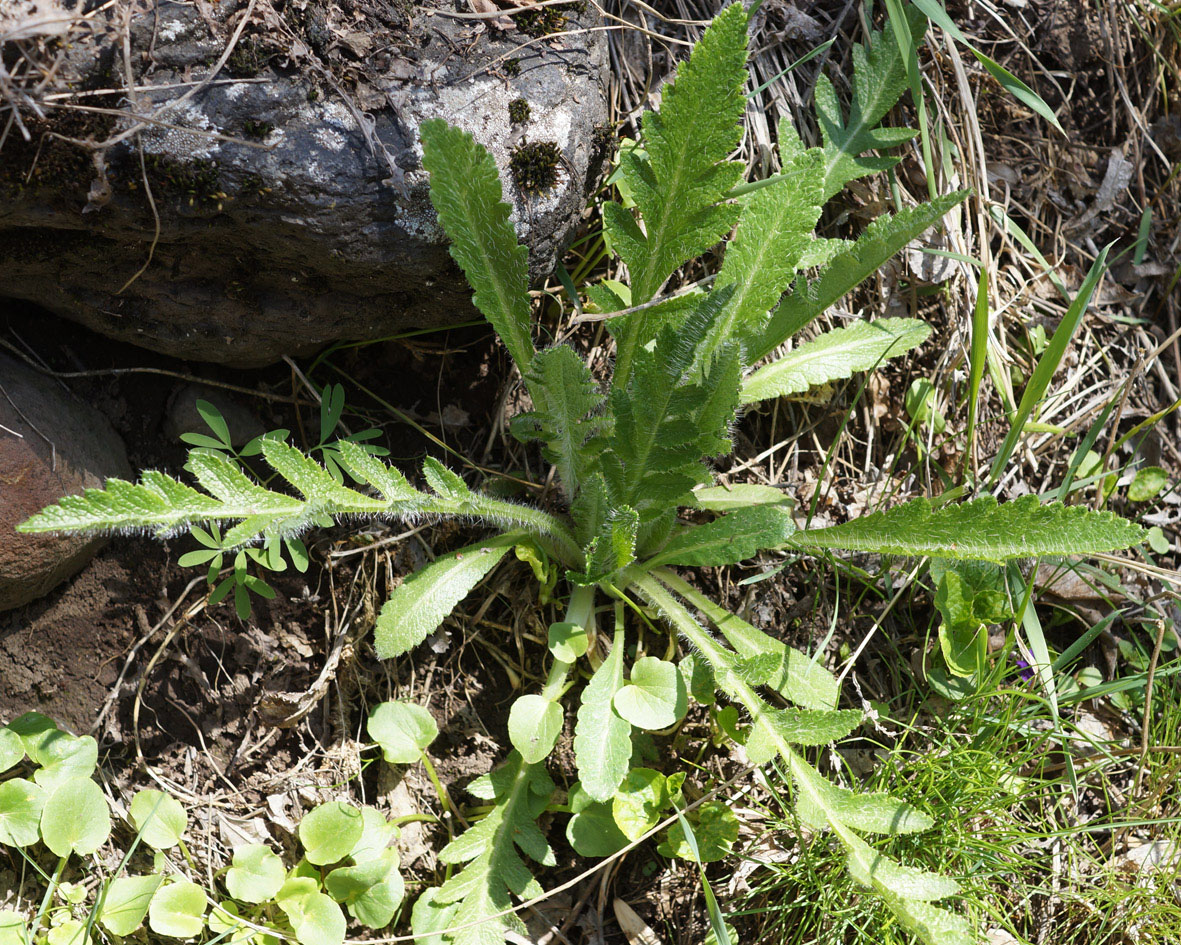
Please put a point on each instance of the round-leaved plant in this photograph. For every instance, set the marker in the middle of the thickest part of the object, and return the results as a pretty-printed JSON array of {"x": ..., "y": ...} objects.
[
  {"x": 160, "y": 819},
  {"x": 403, "y": 730},
  {"x": 330, "y": 832}
]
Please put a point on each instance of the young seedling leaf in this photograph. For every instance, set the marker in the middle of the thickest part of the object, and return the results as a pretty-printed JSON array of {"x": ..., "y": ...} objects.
[
  {"x": 567, "y": 641},
  {"x": 534, "y": 724},
  {"x": 160, "y": 819},
  {"x": 715, "y": 830},
  {"x": 593, "y": 830},
  {"x": 424, "y": 598},
  {"x": 36, "y": 731},
  {"x": 256, "y": 873},
  {"x": 178, "y": 910},
  {"x": 329, "y": 832},
  {"x": 403, "y": 731},
  {"x": 21, "y": 803},
  {"x": 655, "y": 696},
  {"x": 13, "y": 929},
  {"x": 376, "y": 835},
  {"x": 315, "y": 919},
  {"x": 639, "y": 801},
  {"x": 371, "y": 891},
  {"x": 12, "y": 749},
  {"x": 75, "y": 818},
  {"x": 125, "y": 903}
]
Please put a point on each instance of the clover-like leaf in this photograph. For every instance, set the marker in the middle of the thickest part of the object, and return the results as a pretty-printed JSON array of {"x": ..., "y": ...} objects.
[
  {"x": 402, "y": 730},
  {"x": 330, "y": 832},
  {"x": 534, "y": 724},
  {"x": 376, "y": 834},
  {"x": 13, "y": 930},
  {"x": 256, "y": 873},
  {"x": 178, "y": 910},
  {"x": 655, "y": 697},
  {"x": 75, "y": 818},
  {"x": 315, "y": 919},
  {"x": 160, "y": 819},
  {"x": 69, "y": 932},
  {"x": 126, "y": 903},
  {"x": 372, "y": 891},
  {"x": 21, "y": 803},
  {"x": 35, "y": 730}
]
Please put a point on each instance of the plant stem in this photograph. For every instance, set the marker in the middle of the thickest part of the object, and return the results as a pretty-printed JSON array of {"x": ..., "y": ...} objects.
[{"x": 50, "y": 889}]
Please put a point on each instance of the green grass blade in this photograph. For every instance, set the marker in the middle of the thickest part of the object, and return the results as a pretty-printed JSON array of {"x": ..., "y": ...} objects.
[{"x": 1048, "y": 364}]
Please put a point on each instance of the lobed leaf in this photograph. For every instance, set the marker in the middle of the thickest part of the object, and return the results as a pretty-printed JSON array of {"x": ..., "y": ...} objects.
[
  {"x": 466, "y": 193},
  {"x": 495, "y": 871},
  {"x": 980, "y": 529},
  {"x": 847, "y": 269},
  {"x": 727, "y": 540}
]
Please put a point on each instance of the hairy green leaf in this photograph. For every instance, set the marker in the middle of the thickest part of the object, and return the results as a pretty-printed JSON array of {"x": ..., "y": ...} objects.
[
  {"x": 565, "y": 403},
  {"x": 466, "y": 193},
  {"x": 850, "y": 267},
  {"x": 835, "y": 355},
  {"x": 424, "y": 598},
  {"x": 602, "y": 738},
  {"x": 796, "y": 676},
  {"x": 879, "y": 79},
  {"x": 980, "y": 529},
  {"x": 727, "y": 540},
  {"x": 679, "y": 185},
  {"x": 767, "y": 250},
  {"x": 495, "y": 871}
]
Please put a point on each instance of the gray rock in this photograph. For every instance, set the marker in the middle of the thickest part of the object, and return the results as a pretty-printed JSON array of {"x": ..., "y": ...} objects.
[
  {"x": 292, "y": 204},
  {"x": 51, "y": 444}
]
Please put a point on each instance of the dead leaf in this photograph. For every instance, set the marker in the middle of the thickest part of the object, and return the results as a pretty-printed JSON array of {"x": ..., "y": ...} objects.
[
  {"x": 636, "y": 929},
  {"x": 487, "y": 6}
]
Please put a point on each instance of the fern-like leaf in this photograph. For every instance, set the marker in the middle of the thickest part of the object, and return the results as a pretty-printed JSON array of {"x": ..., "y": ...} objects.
[
  {"x": 665, "y": 422},
  {"x": 566, "y": 404},
  {"x": 980, "y": 530},
  {"x": 835, "y": 355},
  {"x": 848, "y": 268},
  {"x": 729, "y": 539},
  {"x": 679, "y": 183},
  {"x": 495, "y": 871},
  {"x": 466, "y": 193},
  {"x": 879, "y": 79},
  {"x": 773, "y": 237}
]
